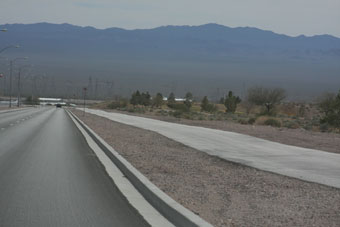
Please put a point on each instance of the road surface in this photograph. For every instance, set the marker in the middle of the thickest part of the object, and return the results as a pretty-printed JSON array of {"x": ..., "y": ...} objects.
[
  {"x": 50, "y": 177},
  {"x": 307, "y": 164}
]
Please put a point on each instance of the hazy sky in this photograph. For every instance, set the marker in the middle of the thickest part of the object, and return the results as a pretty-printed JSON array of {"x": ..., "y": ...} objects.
[{"x": 292, "y": 17}]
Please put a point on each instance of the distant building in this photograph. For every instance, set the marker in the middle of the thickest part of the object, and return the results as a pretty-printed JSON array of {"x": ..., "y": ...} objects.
[
  {"x": 51, "y": 101},
  {"x": 176, "y": 99}
]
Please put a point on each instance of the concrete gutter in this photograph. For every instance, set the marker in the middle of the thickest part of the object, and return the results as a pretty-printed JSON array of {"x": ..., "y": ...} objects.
[{"x": 169, "y": 208}]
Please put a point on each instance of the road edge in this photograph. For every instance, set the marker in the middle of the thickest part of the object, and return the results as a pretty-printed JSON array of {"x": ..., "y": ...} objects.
[{"x": 169, "y": 208}]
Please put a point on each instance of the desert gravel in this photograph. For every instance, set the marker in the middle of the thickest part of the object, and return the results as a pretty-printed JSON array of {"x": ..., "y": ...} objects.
[{"x": 221, "y": 192}]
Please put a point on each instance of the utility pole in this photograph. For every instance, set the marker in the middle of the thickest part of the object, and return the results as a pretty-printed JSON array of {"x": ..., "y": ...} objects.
[
  {"x": 2, "y": 76},
  {"x": 10, "y": 83},
  {"x": 89, "y": 88},
  {"x": 10, "y": 79},
  {"x": 96, "y": 90},
  {"x": 18, "y": 104},
  {"x": 84, "y": 90}
]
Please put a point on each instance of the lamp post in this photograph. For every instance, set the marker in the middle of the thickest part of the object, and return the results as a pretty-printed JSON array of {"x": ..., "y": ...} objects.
[
  {"x": 10, "y": 78},
  {"x": 19, "y": 85},
  {"x": 84, "y": 89},
  {"x": 2, "y": 76},
  {"x": 8, "y": 47}
]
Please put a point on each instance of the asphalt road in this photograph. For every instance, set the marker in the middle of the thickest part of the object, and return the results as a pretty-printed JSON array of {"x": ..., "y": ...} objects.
[
  {"x": 50, "y": 177},
  {"x": 307, "y": 164}
]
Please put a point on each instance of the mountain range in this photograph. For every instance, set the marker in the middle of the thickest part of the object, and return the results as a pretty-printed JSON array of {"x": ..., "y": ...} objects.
[{"x": 207, "y": 60}]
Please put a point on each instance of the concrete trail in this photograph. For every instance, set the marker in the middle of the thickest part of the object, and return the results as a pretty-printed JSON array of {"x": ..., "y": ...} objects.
[{"x": 306, "y": 164}]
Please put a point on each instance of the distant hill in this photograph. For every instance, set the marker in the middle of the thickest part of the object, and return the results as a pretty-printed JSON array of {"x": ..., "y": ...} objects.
[{"x": 179, "y": 58}]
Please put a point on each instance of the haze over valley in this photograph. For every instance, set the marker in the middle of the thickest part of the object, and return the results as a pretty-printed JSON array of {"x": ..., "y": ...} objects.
[{"x": 206, "y": 60}]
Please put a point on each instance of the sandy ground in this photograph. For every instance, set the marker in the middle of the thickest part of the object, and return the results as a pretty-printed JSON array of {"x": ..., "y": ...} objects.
[
  {"x": 329, "y": 142},
  {"x": 221, "y": 192}
]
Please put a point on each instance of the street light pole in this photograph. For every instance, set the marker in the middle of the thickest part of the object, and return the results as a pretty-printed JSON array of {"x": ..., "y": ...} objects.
[
  {"x": 84, "y": 89},
  {"x": 11, "y": 46},
  {"x": 10, "y": 79},
  {"x": 2, "y": 76},
  {"x": 19, "y": 85},
  {"x": 19, "y": 88},
  {"x": 10, "y": 83}
]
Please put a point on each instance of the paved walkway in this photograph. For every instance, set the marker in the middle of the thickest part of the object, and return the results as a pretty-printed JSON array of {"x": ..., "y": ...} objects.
[{"x": 307, "y": 164}]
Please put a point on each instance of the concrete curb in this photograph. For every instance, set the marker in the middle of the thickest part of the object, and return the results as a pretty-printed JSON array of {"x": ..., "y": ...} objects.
[{"x": 169, "y": 208}]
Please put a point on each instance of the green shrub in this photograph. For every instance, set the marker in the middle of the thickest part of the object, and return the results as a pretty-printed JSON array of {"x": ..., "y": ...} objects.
[
  {"x": 251, "y": 120},
  {"x": 243, "y": 121},
  {"x": 330, "y": 108},
  {"x": 292, "y": 125},
  {"x": 273, "y": 122},
  {"x": 176, "y": 113},
  {"x": 324, "y": 127},
  {"x": 122, "y": 103},
  {"x": 178, "y": 106}
]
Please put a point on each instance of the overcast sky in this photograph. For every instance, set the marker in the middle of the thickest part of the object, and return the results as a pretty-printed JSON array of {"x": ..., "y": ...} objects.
[{"x": 292, "y": 17}]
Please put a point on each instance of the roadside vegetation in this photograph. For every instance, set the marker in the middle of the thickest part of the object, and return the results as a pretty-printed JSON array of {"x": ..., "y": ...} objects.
[{"x": 261, "y": 106}]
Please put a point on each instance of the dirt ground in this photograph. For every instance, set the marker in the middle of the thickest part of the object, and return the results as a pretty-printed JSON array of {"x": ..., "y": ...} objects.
[
  {"x": 329, "y": 142},
  {"x": 221, "y": 192}
]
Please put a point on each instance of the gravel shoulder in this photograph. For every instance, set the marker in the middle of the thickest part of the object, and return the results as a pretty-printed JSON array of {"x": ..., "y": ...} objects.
[
  {"x": 329, "y": 142},
  {"x": 221, "y": 192}
]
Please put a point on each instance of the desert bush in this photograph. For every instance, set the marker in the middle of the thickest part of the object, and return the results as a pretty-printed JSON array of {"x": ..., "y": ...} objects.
[
  {"x": 266, "y": 97},
  {"x": 251, "y": 120},
  {"x": 188, "y": 99},
  {"x": 138, "y": 98},
  {"x": 330, "y": 108},
  {"x": 273, "y": 122},
  {"x": 231, "y": 102},
  {"x": 178, "y": 106},
  {"x": 171, "y": 98},
  {"x": 208, "y": 107},
  {"x": 176, "y": 113},
  {"x": 243, "y": 121},
  {"x": 158, "y": 100},
  {"x": 117, "y": 104},
  {"x": 291, "y": 124},
  {"x": 324, "y": 127},
  {"x": 163, "y": 112}
]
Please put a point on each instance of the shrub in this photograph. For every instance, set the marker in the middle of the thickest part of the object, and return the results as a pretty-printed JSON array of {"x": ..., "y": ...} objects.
[
  {"x": 208, "y": 107},
  {"x": 158, "y": 100},
  {"x": 231, "y": 102},
  {"x": 330, "y": 108},
  {"x": 251, "y": 120},
  {"x": 324, "y": 127},
  {"x": 177, "y": 113},
  {"x": 273, "y": 122},
  {"x": 292, "y": 125},
  {"x": 178, "y": 106},
  {"x": 138, "y": 98},
  {"x": 122, "y": 103},
  {"x": 243, "y": 121},
  {"x": 265, "y": 97}
]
